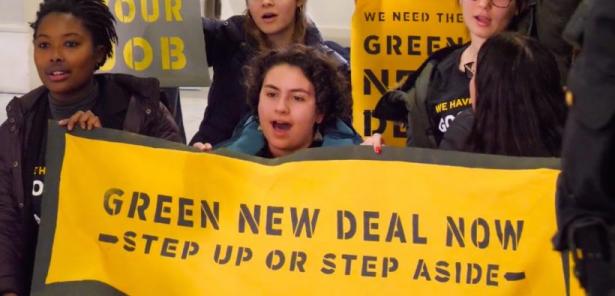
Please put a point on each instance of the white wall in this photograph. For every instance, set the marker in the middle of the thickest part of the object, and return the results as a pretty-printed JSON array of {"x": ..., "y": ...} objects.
[{"x": 17, "y": 74}]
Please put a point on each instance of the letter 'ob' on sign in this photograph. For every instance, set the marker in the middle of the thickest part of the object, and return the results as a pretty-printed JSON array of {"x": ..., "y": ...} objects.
[{"x": 171, "y": 54}]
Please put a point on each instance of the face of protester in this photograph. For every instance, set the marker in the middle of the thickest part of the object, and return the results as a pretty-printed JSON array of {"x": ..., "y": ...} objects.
[
  {"x": 275, "y": 18},
  {"x": 65, "y": 56},
  {"x": 287, "y": 110},
  {"x": 483, "y": 19}
]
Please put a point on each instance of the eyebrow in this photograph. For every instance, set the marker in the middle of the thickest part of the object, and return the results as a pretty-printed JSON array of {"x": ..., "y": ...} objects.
[
  {"x": 65, "y": 35},
  {"x": 292, "y": 90}
]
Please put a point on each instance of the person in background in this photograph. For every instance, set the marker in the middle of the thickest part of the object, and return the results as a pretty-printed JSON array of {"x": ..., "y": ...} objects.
[
  {"x": 441, "y": 79},
  {"x": 586, "y": 188},
  {"x": 72, "y": 38},
  {"x": 267, "y": 24},
  {"x": 518, "y": 101},
  {"x": 297, "y": 98}
]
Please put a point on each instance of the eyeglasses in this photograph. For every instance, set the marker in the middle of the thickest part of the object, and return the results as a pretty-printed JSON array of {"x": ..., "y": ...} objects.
[
  {"x": 500, "y": 3},
  {"x": 468, "y": 70}
]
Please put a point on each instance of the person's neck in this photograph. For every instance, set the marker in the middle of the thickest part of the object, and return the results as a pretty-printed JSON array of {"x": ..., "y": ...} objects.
[
  {"x": 73, "y": 98},
  {"x": 282, "y": 39},
  {"x": 470, "y": 54}
]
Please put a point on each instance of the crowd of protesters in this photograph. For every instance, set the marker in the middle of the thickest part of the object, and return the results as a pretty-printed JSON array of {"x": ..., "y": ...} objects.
[{"x": 279, "y": 88}]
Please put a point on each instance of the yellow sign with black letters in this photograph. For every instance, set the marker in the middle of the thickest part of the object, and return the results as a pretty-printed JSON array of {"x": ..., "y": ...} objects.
[
  {"x": 159, "y": 38},
  {"x": 390, "y": 39},
  {"x": 128, "y": 214}
]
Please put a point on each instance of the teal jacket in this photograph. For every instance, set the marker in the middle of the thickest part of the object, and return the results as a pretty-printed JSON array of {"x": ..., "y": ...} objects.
[{"x": 249, "y": 139}]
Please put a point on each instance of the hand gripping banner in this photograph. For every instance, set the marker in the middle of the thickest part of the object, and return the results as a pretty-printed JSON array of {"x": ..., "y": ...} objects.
[{"x": 126, "y": 214}]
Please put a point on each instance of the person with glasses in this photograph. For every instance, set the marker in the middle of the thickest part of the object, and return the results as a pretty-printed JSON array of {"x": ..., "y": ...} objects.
[
  {"x": 439, "y": 92},
  {"x": 517, "y": 101}
]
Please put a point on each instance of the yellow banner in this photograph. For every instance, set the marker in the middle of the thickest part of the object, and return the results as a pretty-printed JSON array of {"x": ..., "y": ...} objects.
[
  {"x": 390, "y": 40},
  {"x": 141, "y": 220}
]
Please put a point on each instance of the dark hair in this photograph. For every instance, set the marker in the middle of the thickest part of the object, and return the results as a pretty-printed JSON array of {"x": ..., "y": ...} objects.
[
  {"x": 94, "y": 14},
  {"x": 257, "y": 37},
  {"x": 520, "y": 107},
  {"x": 331, "y": 86}
]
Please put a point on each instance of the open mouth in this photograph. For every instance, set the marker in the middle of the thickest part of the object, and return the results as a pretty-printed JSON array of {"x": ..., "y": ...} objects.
[
  {"x": 483, "y": 20},
  {"x": 281, "y": 127},
  {"x": 269, "y": 17},
  {"x": 57, "y": 75}
]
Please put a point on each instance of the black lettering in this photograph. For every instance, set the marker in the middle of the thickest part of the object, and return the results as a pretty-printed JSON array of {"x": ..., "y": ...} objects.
[
  {"x": 227, "y": 256},
  {"x": 113, "y": 206},
  {"x": 452, "y": 229},
  {"x": 485, "y": 242},
  {"x": 185, "y": 209},
  {"x": 135, "y": 206},
  {"x": 244, "y": 254},
  {"x": 190, "y": 249},
  {"x": 393, "y": 44},
  {"x": 271, "y": 220},
  {"x": 246, "y": 216},
  {"x": 327, "y": 260},
  {"x": 470, "y": 279},
  {"x": 129, "y": 242},
  {"x": 389, "y": 264},
  {"x": 369, "y": 79},
  {"x": 368, "y": 225},
  {"x": 492, "y": 275},
  {"x": 303, "y": 222},
  {"x": 432, "y": 44},
  {"x": 416, "y": 237},
  {"x": 421, "y": 271},
  {"x": 369, "y": 264},
  {"x": 371, "y": 45},
  {"x": 369, "y": 16},
  {"x": 169, "y": 247},
  {"x": 395, "y": 229},
  {"x": 346, "y": 216},
  {"x": 348, "y": 258},
  {"x": 442, "y": 274},
  {"x": 413, "y": 43},
  {"x": 270, "y": 260},
  {"x": 162, "y": 208},
  {"x": 297, "y": 261},
  {"x": 207, "y": 214},
  {"x": 148, "y": 241},
  {"x": 509, "y": 233}
]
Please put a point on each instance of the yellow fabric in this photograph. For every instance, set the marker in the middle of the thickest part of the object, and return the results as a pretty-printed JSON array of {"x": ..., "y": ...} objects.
[
  {"x": 389, "y": 39},
  {"x": 423, "y": 197}
]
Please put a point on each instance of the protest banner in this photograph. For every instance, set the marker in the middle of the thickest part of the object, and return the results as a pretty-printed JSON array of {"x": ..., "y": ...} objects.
[
  {"x": 122, "y": 214},
  {"x": 159, "y": 38},
  {"x": 390, "y": 40}
]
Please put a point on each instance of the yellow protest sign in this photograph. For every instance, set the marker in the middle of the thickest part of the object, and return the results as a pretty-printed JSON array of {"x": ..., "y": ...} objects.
[
  {"x": 159, "y": 38},
  {"x": 144, "y": 220},
  {"x": 390, "y": 40}
]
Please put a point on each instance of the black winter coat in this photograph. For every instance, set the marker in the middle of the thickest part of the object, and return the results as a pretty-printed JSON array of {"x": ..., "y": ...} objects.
[{"x": 139, "y": 98}]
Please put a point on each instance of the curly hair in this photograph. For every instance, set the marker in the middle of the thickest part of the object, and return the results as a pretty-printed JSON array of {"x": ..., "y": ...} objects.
[
  {"x": 95, "y": 16},
  {"x": 332, "y": 89}
]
